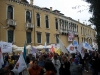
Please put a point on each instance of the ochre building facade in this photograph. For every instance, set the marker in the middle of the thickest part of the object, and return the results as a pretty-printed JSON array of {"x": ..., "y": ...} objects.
[{"x": 21, "y": 21}]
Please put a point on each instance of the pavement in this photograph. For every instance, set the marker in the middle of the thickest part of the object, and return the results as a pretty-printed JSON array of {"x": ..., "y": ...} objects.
[{"x": 87, "y": 73}]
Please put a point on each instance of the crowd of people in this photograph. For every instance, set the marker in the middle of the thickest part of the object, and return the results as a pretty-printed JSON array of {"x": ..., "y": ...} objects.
[{"x": 53, "y": 64}]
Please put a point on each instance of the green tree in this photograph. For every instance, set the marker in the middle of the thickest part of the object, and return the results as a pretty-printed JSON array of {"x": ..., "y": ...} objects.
[{"x": 95, "y": 19}]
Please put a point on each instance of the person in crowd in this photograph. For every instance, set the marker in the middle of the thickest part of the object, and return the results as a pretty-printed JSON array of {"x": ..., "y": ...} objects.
[
  {"x": 86, "y": 60},
  {"x": 92, "y": 63},
  {"x": 76, "y": 68},
  {"x": 50, "y": 68},
  {"x": 7, "y": 69},
  {"x": 98, "y": 64},
  {"x": 65, "y": 66},
  {"x": 41, "y": 61},
  {"x": 56, "y": 63},
  {"x": 11, "y": 61},
  {"x": 35, "y": 69}
]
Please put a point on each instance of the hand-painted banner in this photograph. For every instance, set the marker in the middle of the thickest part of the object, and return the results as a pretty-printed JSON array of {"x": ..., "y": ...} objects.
[{"x": 6, "y": 47}]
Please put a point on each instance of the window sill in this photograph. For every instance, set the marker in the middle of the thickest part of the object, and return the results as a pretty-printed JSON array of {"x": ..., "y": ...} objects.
[
  {"x": 38, "y": 27},
  {"x": 39, "y": 43},
  {"x": 56, "y": 29},
  {"x": 48, "y": 28}
]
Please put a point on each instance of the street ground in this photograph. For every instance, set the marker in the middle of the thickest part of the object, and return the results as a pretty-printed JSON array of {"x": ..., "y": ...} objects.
[{"x": 87, "y": 73}]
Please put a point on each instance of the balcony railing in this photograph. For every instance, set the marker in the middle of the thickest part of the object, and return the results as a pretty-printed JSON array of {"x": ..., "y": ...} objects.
[
  {"x": 11, "y": 22},
  {"x": 29, "y": 25},
  {"x": 63, "y": 31},
  {"x": 88, "y": 36}
]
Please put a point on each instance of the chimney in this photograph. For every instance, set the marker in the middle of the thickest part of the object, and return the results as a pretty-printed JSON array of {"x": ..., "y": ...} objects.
[
  {"x": 78, "y": 20},
  {"x": 31, "y": 2},
  {"x": 50, "y": 8},
  {"x": 83, "y": 22}
]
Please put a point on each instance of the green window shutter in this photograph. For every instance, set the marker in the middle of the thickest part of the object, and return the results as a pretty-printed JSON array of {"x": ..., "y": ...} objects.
[
  {"x": 28, "y": 37},
  {"x": 10, "y": 36},
  {"x": 38, "y": 20},
  {"x": 47, "y": 37},
  {"x": 57, "y": 36},
  {"x": 38, "y": 37}
]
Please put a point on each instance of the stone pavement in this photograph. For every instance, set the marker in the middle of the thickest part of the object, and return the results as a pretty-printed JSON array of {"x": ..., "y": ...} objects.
[{"x": 87, "y": 73}]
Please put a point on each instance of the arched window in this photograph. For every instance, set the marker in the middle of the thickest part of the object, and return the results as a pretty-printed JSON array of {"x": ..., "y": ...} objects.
[
  {"x": 28, "y": 17},
  {"x": 38, "y": 19},
  {"x": 10, "y": 12},
  {"x": 47, "y": 21}
]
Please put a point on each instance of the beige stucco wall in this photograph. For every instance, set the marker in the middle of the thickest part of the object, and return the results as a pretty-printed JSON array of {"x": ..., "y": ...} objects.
[{"x": 20, "y": 29}]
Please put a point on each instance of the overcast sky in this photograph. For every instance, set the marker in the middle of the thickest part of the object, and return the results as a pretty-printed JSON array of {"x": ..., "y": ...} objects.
[{"x": 76, "y": 9}]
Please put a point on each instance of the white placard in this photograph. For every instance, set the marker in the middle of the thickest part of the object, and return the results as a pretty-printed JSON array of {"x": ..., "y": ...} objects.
[{"x": 6, "y": 47}]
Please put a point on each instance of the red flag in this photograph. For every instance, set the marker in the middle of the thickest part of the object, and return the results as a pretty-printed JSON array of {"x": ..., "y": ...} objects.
[{"x": 52, "y": 49}]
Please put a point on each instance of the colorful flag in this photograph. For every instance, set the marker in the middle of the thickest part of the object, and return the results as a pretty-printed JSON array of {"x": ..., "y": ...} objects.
[
  {"x": 52, "y": 49},
  {"x": 58, "y": 51}
]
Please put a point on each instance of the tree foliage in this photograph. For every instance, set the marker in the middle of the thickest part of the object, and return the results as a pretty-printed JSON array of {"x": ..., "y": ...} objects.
[{"x": 95, "y": 19}]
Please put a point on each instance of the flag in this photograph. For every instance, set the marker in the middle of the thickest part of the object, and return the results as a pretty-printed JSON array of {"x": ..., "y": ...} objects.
[
  {"x": 75, "y": 43},
  {"x": 58, "y": 51},
  {"x": 20, "y": 65},
  {"x": 87, "y": 46},
  {"x": 80, "y": 48},
  {"x": 52, "y": 49},
  {"x": 71, "y": 49},
  {"x": 24, "y": 52},
  {"x": 62, "y": 46},
  {"x": 1, "y": 58},
  {"x": 33, "y": 51}
]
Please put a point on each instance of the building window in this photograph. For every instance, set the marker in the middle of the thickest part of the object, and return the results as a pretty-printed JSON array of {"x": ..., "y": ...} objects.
[
  {"x": 38, "y": 37},
  {"x": 38, "y": 19},
  {"x": 82, "y": 39},
  {"x": 56, "y": 22},
  {"x": 10, "y": 36},
  {"x": 28, "y": 16},
  {"x": 77, "y": 28},
  {"x": 60, "y": 23},
  {"x": 81, "y": 30},
  {"x": 57, "y": 36},
  {"x": 47, "y": 21},
  {"x": 65, "y": 26},
  {"x": 48, "y": 37},
  {"x": 28, "y": 37},
  {"x": 10, "y": 12}
]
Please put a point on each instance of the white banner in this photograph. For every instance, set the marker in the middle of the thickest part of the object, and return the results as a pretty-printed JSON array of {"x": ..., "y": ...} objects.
[
  {"x": 70, "y": 36},
  {"x": 71, "y": 49},
  {"x": 6, "y": 47},
  {"x": 81, "y": 50}
]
